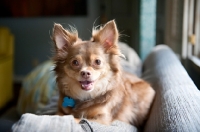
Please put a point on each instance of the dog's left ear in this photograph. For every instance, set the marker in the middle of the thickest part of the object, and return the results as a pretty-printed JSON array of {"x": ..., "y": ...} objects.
[
  {"x": 108, "y": 36},
  {"x": 62, "y": 38}
]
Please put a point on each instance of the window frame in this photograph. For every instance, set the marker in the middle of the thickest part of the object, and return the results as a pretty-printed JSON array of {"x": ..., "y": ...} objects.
[{"x": 191, "y": 31}]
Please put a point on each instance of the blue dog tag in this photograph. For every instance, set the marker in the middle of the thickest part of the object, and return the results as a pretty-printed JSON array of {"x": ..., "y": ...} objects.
[{"x": 68, "y": 102}]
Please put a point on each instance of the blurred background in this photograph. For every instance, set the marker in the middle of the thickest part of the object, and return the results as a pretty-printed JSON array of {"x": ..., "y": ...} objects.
[{"x": 26, "y": 27}]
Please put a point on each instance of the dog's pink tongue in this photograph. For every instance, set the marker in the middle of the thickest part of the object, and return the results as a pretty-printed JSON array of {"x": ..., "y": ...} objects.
[{"x": 86, "y": 85}]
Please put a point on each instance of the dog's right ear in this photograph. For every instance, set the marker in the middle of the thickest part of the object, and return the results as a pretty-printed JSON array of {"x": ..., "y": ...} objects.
[{"x": 62, "y": 38}]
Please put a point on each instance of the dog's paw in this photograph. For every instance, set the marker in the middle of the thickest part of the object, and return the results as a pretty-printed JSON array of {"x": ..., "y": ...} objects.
[{"x": 77, "y": 120}]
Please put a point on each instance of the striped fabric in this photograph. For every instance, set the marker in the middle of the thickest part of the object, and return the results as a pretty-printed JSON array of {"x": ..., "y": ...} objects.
[{"x": 37, "y": 89}]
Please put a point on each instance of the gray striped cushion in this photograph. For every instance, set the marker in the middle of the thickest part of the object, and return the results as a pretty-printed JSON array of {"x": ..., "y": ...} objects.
[{"x": 177, "y": 103}]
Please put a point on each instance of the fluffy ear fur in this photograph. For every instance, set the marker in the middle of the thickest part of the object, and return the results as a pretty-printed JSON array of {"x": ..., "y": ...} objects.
[
  {"x": 108, "y": 36},
  {"x": 62, "y": 38}
]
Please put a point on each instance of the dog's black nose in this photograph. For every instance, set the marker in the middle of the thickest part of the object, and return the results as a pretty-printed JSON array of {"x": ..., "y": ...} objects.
[{"x": 85, "y": 74}]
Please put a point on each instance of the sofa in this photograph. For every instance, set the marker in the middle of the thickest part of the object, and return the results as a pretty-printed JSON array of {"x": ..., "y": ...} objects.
[{"x": 176, "y": 105}]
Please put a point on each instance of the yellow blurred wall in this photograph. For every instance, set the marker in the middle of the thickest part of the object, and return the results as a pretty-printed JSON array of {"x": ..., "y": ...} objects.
[{"x": 6, "y": 66}]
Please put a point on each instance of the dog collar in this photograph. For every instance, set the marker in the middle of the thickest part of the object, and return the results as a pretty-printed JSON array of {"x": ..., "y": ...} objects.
[{"x": 68, "y": 102}]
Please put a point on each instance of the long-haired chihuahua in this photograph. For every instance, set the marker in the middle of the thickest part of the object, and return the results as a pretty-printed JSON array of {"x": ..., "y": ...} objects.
[{"x": 91, "y": 82}]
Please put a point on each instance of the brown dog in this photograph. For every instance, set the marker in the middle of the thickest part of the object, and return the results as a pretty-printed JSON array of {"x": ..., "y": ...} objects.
[{"x": 91, "y": 82}]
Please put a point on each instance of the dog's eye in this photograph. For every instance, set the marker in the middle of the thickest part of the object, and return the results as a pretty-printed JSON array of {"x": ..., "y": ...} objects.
[
  {"x": 98, "y": 62},
  {"x": 75, "y": 63}
]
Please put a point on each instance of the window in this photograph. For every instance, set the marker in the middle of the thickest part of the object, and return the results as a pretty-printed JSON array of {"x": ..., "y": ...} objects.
[
  {"x": 191, "y": 30},
  {"x": 182, "y": 34}
]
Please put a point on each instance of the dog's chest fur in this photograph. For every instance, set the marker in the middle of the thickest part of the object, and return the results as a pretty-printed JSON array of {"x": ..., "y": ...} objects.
[{"x": 129, "y": 101}]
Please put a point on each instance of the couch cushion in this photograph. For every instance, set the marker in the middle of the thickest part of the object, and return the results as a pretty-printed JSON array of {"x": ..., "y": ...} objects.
[{"x": 176, "y": 106}]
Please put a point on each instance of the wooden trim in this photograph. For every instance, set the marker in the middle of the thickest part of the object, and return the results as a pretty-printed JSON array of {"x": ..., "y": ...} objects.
[
  {"x": 197, "y": 29},
  {"x": 190, "y": 27},
  {"x": 185, "y": 28}
]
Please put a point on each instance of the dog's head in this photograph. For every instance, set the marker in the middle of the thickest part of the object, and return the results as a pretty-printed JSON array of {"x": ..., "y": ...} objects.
[{"x": 84, "y": 68}]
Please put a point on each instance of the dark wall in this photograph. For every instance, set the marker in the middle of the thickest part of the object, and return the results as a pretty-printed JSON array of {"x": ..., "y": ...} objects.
[
  {"x": 193, "y": 71},
  {"x": 160, "y": 21}
]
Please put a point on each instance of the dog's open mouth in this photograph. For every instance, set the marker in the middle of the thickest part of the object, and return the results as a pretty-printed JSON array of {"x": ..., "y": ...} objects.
[{"x": 86, "y": 85}]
